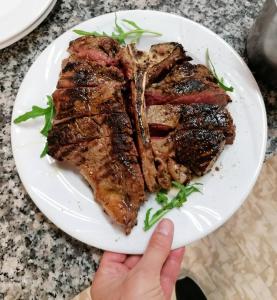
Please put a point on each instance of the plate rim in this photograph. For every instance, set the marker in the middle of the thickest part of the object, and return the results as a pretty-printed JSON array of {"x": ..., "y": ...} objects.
[{"x": 244, "y": 195}]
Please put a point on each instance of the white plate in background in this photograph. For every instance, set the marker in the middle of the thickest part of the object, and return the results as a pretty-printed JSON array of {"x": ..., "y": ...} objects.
[
  {"x": 65, "y": 198},
  {"x": 19, "y": 17}
]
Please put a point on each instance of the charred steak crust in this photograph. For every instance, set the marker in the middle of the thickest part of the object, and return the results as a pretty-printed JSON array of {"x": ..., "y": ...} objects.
[
  {"x": 198, "y": 148},
  {"x": 194, "y": 134},
  {"x": 87, "y": 101},
  {"x": 163, "y": 119},
  {"x": 92, "y": 130},
  {"x": 162, "y": 58},
  {"x": 80, "y": 72},
  {"x": 179, "y": 122},
  {"x": 186, "y": 84},
  {"x": 88, "y": 128}
]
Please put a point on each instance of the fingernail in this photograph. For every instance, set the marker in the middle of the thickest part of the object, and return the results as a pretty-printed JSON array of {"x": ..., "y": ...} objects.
[{"x": 165, "y": 227}]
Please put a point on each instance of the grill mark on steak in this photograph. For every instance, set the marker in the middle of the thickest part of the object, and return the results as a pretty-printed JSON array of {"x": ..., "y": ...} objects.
[
  {"x": 189, "y": 86},
  {"x": 88, "y": 128},
  {"x": 117, "y": 186},
  {"x": 162, "y": 58},
  {"x": 198, "y": 148},
  {"x": 78, "y": 72},
  {"x": 86, "y": 101}
]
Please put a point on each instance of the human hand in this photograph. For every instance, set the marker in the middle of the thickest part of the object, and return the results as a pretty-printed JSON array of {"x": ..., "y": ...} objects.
[{"x": 135, "y": 277}]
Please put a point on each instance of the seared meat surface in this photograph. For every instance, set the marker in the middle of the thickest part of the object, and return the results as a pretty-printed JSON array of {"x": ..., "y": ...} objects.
[
  {"x": 102, "y": 50},
  {"x": 110, "y": 166},
  {"x": 186, "y": 84},
  {"x": 165, "y": 118},
  {"x": 162, "y": 58},
  {"x": 198, "y": 149},
  {"x": 92, "y": 130},
  {"x": 129, "y": 119},
  {"x": 192, "y": 136},
  {"x": 87, "y": 101},
  {"x": 79, "y": 72},
  {"x": 88, "y": 128}
]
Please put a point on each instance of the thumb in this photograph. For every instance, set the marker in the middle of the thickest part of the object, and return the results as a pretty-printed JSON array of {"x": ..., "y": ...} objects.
[{"x": 159, "y": 246}]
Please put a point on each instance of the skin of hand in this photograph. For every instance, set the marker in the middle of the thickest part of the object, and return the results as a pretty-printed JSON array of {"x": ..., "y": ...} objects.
[{"x": 151, "y": 276}]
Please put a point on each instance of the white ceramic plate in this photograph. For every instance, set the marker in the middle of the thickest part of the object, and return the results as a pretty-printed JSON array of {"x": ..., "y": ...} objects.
[
  {"x": 20, "y": 17},
  {"x": 64, "y": 197}
]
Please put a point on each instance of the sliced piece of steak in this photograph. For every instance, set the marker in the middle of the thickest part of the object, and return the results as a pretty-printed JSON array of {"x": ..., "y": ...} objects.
[
  {"x": 113, "y": 172},
  {"x": 102, "y": 50},
  {"x": 162, "y": 57},
  {"x": 186, "y": 84},
  {"x": 163, "y": 119},
  {"x": 198, "y": 149},
  {"x": 102, "y": 148},
  {"x": 135, "y": 69},
  {"x": 88, "y": 128},
  {"x": 78, "y": 72},
  {"x": 92, "y": 130},
  {"x": 210, "y": 117},
  {"x": 87, "y": 101}
]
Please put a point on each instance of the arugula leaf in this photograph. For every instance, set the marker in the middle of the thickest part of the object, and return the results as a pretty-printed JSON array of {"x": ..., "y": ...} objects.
[
  {"x": 177, "y": 201},
  {"x": 48, "y": 117},
  {"x": 44, "y": 151},
  {"x": 119, "y": 34},
  {"x": 161, "y": 197},
  {"x": 219, "y": 81},
  {"x": 34, "y": 113},
  {"x": 95, "y": 33},
  {"x": 132, "y": 23},
  {"x": 37, "y": 111}
]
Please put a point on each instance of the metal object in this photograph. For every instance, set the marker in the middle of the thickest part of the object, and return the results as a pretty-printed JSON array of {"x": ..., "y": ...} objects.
[{"x": 262, "y": 44}]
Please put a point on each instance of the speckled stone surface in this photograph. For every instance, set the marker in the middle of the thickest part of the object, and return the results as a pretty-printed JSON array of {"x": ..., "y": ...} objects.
[{"x": 38, "y": 261}]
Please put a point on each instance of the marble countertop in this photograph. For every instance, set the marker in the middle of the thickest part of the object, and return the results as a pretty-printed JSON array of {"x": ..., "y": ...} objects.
[{"x": 39, "y": 261}]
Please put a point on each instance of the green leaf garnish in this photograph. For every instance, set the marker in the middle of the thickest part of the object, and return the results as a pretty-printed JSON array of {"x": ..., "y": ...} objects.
[
  {"x": 161, "y": 197},
  {"x": 34, "y": 113},
  {"x": 48, "y": 117},
  {"x": 219, "y": 81},
  {"x": 95, "y": 33},
  {"x": 44, "y": 151},
  {"x": 177, "y": 201},
  {"x": 119, "y": 34},
  {"x": 37, "y": 111}
]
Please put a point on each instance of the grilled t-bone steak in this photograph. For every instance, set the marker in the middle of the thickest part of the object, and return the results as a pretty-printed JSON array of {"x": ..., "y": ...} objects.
[
  {"x": 92, "y": 130},
  {"x": 126, "y": 117}
]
